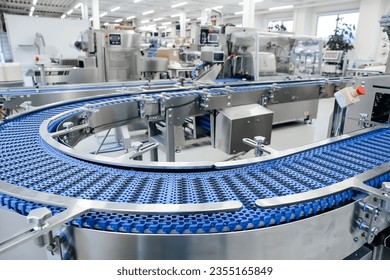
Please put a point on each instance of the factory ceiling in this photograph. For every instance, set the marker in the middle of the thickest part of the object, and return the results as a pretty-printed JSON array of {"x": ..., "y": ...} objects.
[{"x": 136, "y": 9}]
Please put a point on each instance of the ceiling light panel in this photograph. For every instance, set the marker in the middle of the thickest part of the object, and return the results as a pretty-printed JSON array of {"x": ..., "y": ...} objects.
[
  {"x": 256, "y": 1},
  {"x": 281, "y": 8},
  {"x": 148, "y": 12},
  {"x": 179, "y": 4}
]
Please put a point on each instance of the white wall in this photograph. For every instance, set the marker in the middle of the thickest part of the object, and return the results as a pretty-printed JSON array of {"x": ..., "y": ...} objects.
[
  {"x": 332, "y": 9},
  {"x": 58, "y": 34},
  {"x": 369, "y": 32},
  {"x": 369, "y": 35},
  {"x": 305, "y": 19}
]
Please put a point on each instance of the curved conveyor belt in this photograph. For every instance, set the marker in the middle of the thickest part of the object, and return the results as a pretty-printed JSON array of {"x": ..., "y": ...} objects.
[{"x": 27, "y": 161}]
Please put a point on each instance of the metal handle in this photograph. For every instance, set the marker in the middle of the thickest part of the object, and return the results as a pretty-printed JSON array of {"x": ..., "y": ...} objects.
[
  {"x": 35, "y": 231},
  {"x": 83, "y": 207},
  {"x": 257, "y": 144},
  {"x": 144, "y": 148},
  {"x": 77, "y": 207}
]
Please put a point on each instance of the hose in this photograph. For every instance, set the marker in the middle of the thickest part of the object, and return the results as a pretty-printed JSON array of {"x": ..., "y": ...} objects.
[{"x": 193, "y": 73}]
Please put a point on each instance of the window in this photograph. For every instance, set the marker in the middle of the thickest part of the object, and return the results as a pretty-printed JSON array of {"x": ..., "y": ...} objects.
[
  {"x": 277, "y": 25},
  {"x": 327, "y": 24}
]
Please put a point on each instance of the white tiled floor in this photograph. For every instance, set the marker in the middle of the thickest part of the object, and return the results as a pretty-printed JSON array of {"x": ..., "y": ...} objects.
[{"x": 285, "y": 136}]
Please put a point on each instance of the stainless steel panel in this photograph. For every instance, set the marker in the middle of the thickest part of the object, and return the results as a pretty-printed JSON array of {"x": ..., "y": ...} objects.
[
  {"x": 381, "y": 252},
  {"x": 327, "y": 236},
  {"x": 68, "y": 75},
  {"x": 121, "y": 64},
  {"x": 364, "y": 253},
  {"x": 113, "y": 115},
  {"x": 153, "y": 64},
  {"x": 297, "y": 93},
  {"x": 121, "y": 60},
  {"x": 291, "y": 111},
  {"x": 234, "y": 124}
]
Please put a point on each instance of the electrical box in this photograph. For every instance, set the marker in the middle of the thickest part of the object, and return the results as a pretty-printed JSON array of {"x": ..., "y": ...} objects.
[{"x": 235, "y": 123}]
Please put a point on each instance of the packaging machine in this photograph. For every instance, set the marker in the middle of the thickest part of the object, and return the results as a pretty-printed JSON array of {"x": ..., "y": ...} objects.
[
  {"x": 110, "y": 56},
  {"x": 257, "y": 56},
  {"x": 327, "y": 200}
]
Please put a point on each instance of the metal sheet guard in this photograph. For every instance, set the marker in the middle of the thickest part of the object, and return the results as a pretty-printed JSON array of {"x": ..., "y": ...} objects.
[{"x": 27, "y": 161}]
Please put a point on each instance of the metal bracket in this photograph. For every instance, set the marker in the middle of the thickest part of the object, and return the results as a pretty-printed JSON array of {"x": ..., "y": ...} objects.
[
  {"x": 274, "y": 88},
  {"x": 27, "y": 105},
  {"x": 257, "y": 144},
  {"x": 68, "y": 129},
  {"x": 148, "y": 106},
  {"x": 216, "y": 102},
  {"x": 373, "y": 214},
  {"x": 37, "y": 218},
  {"x": 142, "y": 148}
]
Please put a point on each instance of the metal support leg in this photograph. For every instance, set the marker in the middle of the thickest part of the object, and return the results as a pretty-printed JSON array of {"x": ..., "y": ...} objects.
[
  {"x": 152, "y": 130},
  {"x": 154, "y": 155},
  {"x": 212, "y": 128},
  {"x": 43, "y": 74},
  {"x": 170, "y": 139},
  {"x": 338, "y": 120},
  {"x": 122, "y": 135},
  {"x": 101, "y": 144}
]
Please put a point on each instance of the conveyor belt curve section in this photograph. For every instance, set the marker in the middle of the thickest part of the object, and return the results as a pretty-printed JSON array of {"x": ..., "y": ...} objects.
[{"x": 27, "y": 161}]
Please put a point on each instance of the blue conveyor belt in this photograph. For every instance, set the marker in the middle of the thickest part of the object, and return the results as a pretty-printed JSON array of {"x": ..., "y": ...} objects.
[{"x": 27, "y": 161}]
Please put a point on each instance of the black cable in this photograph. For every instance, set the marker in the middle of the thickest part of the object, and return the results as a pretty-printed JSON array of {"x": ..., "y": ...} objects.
[{"x": 181, "y": 105}]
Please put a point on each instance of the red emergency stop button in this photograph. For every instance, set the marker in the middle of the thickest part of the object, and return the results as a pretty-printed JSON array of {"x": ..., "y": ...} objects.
[
  {"x": 36, "y": 58},
  {"x": 360, "y": 90}
]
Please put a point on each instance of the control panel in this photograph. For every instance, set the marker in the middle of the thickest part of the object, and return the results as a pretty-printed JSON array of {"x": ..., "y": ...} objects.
[{"x": 114, "y": 39}]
